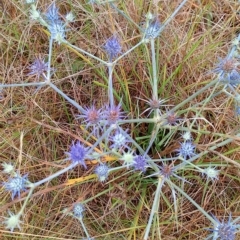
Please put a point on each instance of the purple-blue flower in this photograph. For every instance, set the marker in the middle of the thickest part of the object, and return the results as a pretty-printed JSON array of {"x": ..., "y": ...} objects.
[
  {"x": 187, "y": 150},
  {"x": 227, "y": 69},
  {"x": 119, "y": 140},
  {"x": 16, "y": 184},
  {"x": 113, "y": 114},
  {"x": 78, "y": 210},
  {"x": 140, "y": 163},
  {"x": 52, "y": 14},
  {"x": 78, "y": 153},
  {"x": 112, "y": 47},
  {"x": 38, "y": 68},
  {"x": 153, "y": 29},
  {"x": 102, "y": 171},
  {"x": 91, "y": 116},
  {"x": 224, "y": 230}
]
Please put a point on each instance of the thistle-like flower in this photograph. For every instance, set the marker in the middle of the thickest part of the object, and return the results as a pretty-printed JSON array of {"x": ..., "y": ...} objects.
[
  {"x": 140, "y": 163},
  {"x": 13, "y": 221},
  {"x": 153, "y": 30},
  {"x": 128, "y": 159},
  {"x": 227, "y": 69},
  {"x": 78, "y": 210},
  {"x": 119, "y": 140},
  {"x": 211, "y": 173},
  {"x": 91, "y": 116},
  {"x": 187, "y": 150},
  {"x": 16, "y": 184},
  {"x": 112, "y": 47},
  {"x": 224, "y": 230},
  {"x": 102, "y": 171},
  {"x": 154, "y": 104},
  {"x": 78, "y": 154},
  {"x": 113, "y": 114},
  {"x": 38, "y": 68},
  {"x": 8, "y": 168},
  {"x": 52, "y": 14}
]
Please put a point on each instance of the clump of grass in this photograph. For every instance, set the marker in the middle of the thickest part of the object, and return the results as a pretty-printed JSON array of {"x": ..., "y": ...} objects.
[{"x": 118, "y": 121}]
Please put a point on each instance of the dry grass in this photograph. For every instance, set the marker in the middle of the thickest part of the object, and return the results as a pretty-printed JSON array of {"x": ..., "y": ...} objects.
[{"x": 37, "y": 129}]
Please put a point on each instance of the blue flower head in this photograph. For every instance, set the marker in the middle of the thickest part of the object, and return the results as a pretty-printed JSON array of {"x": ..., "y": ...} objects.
[
  {"x": 52, "y": 14},
  {"x": 102, "y": 171},
  {"x": 112, "y": 47},
  {"x": 91, "y": 116},
  {"x": 38, "y": 67},
  {"x": 16, "y": 184},
  {"x": 153, "y": 30},
  {"x": 227, "y": 69},
  {"x": 224, "y": 230},
  {"x": 113, "y": 114},
  {"x": 140, "y": 163},
  {"x": 78, "y": 210},
  {"x": 119, "y": 139},
  {"x": 78, "y": 153},
  {"x": 187, "y": 150}
]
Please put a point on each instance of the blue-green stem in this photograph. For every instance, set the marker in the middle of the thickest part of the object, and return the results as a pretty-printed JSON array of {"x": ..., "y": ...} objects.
[
  {"x": 49, "y": 61},
  {"x": 110, "y": 84},
  {"x": 26, "y": 200},
  {"x": 81, "y": 109},
  {"x": 192, "y": 201},
  {"x": 49, "y": 178},
  {"x": 172, "y": 15},
  {"x": 155, "y": 207},
  {"x": 23, "y": 84},
  {"x": 87, "y": 53},
  {"x": 127, "y": 52},
  {"x": 84, "y": 228},
  {"x": 174, "y": 109},
  {"x": 124, "y": 15}
]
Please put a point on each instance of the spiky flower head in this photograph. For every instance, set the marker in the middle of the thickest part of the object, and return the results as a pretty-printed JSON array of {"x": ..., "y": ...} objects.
[
  {"x": 57, "y": 30},
  {"x": 140, "y": 163},
  {"x": 52, "y": 14},
  {"x": 91, "y": 116},
  {"x": 172, "y": 118},
  {"x": 153, "y": 30},
  {"x": 128, "y": 159},
  {"x": 16, "y": 184},
  {"x": 78, "y": 210},
  {"x": 227, "y": 68},
  {"x": 119, "y": 140},
  {"x": 13, "y": 221},
  {"x": 211, "y": 173},
  {"x": 8, "y": 168},
  {"x": 112, "y": 47},
  {"x": 70, "y": 17},
  {"x": 38, "y": 68},
  {"x": 78, "y": 153},
  {"x": 224, "y": 230},
  {"x": 187, "y": 150},
  {"x": 113, "y": 114},
  {"x": 187, "y": 136},
  {"x": 102, "y": 171}
]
